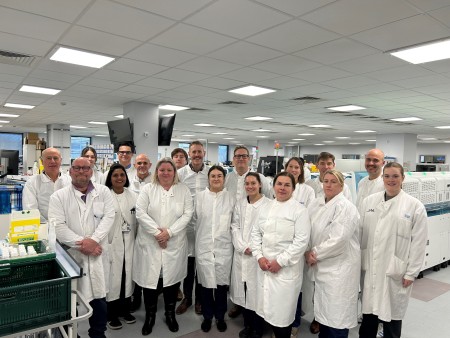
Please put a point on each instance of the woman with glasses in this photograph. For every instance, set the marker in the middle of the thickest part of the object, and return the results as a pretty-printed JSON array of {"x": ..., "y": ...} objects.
[
  {"x": 334, "y": 258},
  {"x": 213, "y": 247},
  {"x": 91, "y": 154},
  {"x": 394, "y": 236},
  {"x": 121, "y": 246},
  {"x": 279, "y": 241},
  {"x": 164, "y": 208}
]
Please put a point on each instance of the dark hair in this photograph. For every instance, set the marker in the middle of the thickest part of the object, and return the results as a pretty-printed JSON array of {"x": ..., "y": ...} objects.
[
  {"x": 285, "y": 173},
  {"x": 114, "y": 167},
  {"x": 301, "y": 177},
  {"x": 217, "y": 167},
  {"x": 89, "y": 148},
  {"x": 255, "y": 175},
  {"x": 126, "y": 144},
  {"x": 324, "y": 156},
  {"x": 177, "y": 151},
  {"x": 395, "y": 165},
  {"x": 241, "y": 147}
]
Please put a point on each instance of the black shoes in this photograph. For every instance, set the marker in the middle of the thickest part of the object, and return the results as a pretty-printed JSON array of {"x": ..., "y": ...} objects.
[
  {"x": 171, "y": 321},
  {"x": 247, "y": 332},
  {"x": 148, "y": 324},
  {"x": 221, "y": 325},
  {"x": 114, "y": 324},
  {"x": 129, "y": 318},
  {"x": 206, "y": 325}
]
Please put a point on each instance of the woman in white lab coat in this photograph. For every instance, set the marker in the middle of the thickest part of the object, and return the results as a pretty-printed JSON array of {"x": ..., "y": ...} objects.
[
  {"x": 213, "y": 247},
  {"x": 279, "y": 241},
  {"x": 91, "y": 154},
  {"x": 303, "y": 192},
  {"x": 335, "y": 258},
  {"x": 163, "y": 210},
  {"x": 394, "y": 235},
  {"x": 244, "y": 269},
  {"x": 121, "y": 246}
]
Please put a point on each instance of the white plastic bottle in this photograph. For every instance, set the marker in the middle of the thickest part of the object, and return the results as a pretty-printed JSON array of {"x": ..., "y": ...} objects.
[{"x": 51, "y": 240}]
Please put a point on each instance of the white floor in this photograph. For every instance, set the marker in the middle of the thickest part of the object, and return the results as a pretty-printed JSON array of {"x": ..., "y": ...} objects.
[{"x": 423, "y": 319}]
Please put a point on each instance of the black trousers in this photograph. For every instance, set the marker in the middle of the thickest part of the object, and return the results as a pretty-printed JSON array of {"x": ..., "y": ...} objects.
[
  {"x": 188, "y": 283},
  {"x": 369, "y": 327},
  {"x": 97, "y": 322},
  {"x": 121, "y": 306},
  {"x": 214, "y": 302},
  {"x": 169, "y": 293},
  {"x": 282, "y": 332}
]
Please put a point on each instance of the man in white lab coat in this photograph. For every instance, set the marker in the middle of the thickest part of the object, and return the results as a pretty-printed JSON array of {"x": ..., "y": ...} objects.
[
  {"x": 195, "y": 176},
  {"x": 125, "y": 155},
  {"x": 373, "y": 183},
  {"x": 37, "y": 190},
  {"x": 142, "y": 174},
  {"x": 83, "y": 214}
]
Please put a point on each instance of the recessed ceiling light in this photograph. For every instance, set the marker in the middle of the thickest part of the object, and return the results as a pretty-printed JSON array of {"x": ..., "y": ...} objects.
[
  {"x": 406, "y": 119},
  {"x": 371, "y": 140},
  {"x": 78, "y": 127},
  {"x": 257, "y": 118},
  {"x": 19, "y": 106},
  {"x": 188, "y": 135},
  {"x": 354, "y": 143},
  {"x": 365, "y": 131},
  {"x": 328, "y": 141},
  {"x": 1, "y": 125},
  {"x": 342, "y": 137},
  {"x": 319, "y": 126},
  {"x": 428, "y": 139},
  {"x": 220, "y": 133},
  {"x": 119, "y": 116},
  {"x": 101, "y": 135},
  {"x": 290, "y": 142},
  {"x": 424, "y": 53},
  {"x": 204, "y": 125},
  {"x": 97, "y": 122},
  {"x": 349, "y": 107},
  {"x": 212, "y": 142},
  {"x": 8, "y": 115},
  {"x": 261, "y": 130},
  {"x": 446, "y": 141},
  {"x": 262, "y": 136},
  {"x": 81, "y": 58},
  {"x": 443, "y": 127},
  {"x": 236, "y": 142},
  {"x": 298, "y": 139},
  {"x": 228, "y": 138},
  {"x": 319, "y": 144},
  {"x": 4, "y": 121},
  {"x": 252, "y": 90},
  {"x": 306, "y": 134},
  {"x": 172, "y": 107},
  {"x": 168, "y": 115},
  {"x": 39, "y": 90}
]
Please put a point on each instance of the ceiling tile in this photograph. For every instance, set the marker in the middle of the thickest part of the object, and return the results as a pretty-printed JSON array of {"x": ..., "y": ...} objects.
[
  {"x": 135, "y": 67},
  {"x": 222, "y": 17},
  {"x": 442, "y": 14},
  {"x": 370, "y": 63},
  {"x": 194, "y": 89},
  {"x": 113, "y": 75},
  {"x": 321, "y": 74},
  {"x": 159, "y": 55},
  {"x": 249, "y": 75},
  {"x": 283, "y": 82},
  {"x": 209, "y": 66},
  {"x": 124, "y": 21},
  {"x": 20, "y": 44},
  {"x": 351, "y": 82},
  {"x": 296, "y": 35},
  {"x": 159, "y": 83},
  {"x": 295, "y": 7},
  {"x": 142, "y": 89},
  {"x": 399, "y": 73},
  {"x": 102, "y": 83},
  {"x": 286, "y": 65},
  {"x": 181, "y": 75},
  {"x": 428, "y": 5},
  {"x": 421, "y": 81}
]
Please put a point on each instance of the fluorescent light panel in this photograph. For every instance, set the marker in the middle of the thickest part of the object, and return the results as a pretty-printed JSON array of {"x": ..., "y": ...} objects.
[
  {"x": 354, "y": 143},
  {"x": 349, "y": 107},
  {"x": 328, "y": 141},
  {"x": 371, "y": 140},
  {"x": 252, "y": 90},
  {"x": 81, "y": 58},
  {"x": 39, "y": 90},
  {"x": 119, "y": 116},
  {"x": 13, "y": 115},
  {"x": 258, "y": 118},
  {"x": 319, "y": 126},
  {"x": 4, "y": 121},
  {"x": 172, "y": 107},
  {"x": 220, "y": 133},
  {"x": 188, "y": 135},
  {"x": 306, "y": 134},
  {"x": 298, "y": 139},
  {"x": 261, "y": 130},
  {"x": 407, "y": 119},
  {"x": 97, "y": 122},
  {"x": 429, "y": 52},
  {"x": 342, "y": 137},
  {"x": 78, "y": 127},
  {"x": 101, "y": 135},
  {"x": 18, "y": 105},
  {"x": 204, "y": 125},
  {"x": 319, "y": 144},
  {"x": 228, "y": 138},
  {"x": 442, "y": 127},
  {"x": 365, "y": 131}
]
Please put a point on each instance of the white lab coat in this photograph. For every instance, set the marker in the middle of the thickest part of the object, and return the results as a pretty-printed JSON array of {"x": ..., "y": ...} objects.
[
  {"x": 394, "y": 236},
  {"x": 97, "y": 176},
  {"x": 234, "y": 183},
  {"x": 282, "y": 233},
  {"x": 244, "y": 267},
  {"x": 318, "y": 189},
  {"x": 304, "y": 194},
  {"x": 368, "y": 187},
  {"x": 335, "y": 240},
  {"x": 121, "y": 243},
  {"x": 213, "y": 244},
  {"x": 159, "y": 208},
  {"x": 131, "y": 171},
  {"x": 196, "y": 182},
  {"x": 38, "y": 189},
  {"x": 136, "y": 184},
  {"x": 76, "y": 220}
]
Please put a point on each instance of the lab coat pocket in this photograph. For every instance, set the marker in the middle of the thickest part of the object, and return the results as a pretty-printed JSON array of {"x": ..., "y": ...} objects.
[
  {"x": 98, "y": 208},
  {"x": 285, "y": 230},
  {"x": 224, "y": 223},
  {"x": 396, "y": 268},
  {"x": 179, "y": 210}
]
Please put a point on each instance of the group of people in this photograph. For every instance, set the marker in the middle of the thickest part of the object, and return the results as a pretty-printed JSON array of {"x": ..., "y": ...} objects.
[{"x": 273, "y": 246}]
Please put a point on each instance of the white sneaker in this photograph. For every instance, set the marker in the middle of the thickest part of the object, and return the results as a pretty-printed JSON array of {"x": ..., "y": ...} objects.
[{"x": 380, "y": 330}]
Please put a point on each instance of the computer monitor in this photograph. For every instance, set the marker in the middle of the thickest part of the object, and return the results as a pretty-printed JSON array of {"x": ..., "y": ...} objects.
[
  {"x": 270, "y": 165},
  {"x": 165, "y": 130},
  {"x": 120, "y": 131},
  {"x": 13, "y": 161}
]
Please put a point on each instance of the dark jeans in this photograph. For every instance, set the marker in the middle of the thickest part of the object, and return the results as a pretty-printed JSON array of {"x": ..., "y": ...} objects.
[
  {"x": 369, "y": 327},
  {"x": 151, "y": 296},
  {"x": 282, "y": 332},
  {"x": 214, "y": 302},
  {"x": 298, "y": 312},
  {"x": 331, "y": 332},
  {"x": 253, "y": 321},
  {"x": 97, "y": 322},
  {"x": 188, "y": 283},
  {"x": 120, "y": 307}
]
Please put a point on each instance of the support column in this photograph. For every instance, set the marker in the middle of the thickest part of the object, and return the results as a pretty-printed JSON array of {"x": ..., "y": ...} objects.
[
  {"x": 401, "y": 146},
  {"x": 58, "y": 136},
  {"x": 145, "y": 119}
]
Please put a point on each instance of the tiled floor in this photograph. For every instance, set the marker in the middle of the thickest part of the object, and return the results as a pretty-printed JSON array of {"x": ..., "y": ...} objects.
[{"x": 423, "y": 319}]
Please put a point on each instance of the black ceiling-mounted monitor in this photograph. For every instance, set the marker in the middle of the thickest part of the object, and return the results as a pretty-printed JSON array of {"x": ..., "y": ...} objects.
[
  {"x": 120, "y": 131},
  {"x": 13, "y": 161},
  {"x": 165, "y": 130}
]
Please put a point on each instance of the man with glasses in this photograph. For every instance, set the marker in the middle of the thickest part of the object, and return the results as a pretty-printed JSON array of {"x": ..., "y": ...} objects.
[
  {"x": 195, "y": 176},
  {"x": 37, "y": 190},
  {"x": 124, "y": 154},
  {"x": 83, "y": 213}
]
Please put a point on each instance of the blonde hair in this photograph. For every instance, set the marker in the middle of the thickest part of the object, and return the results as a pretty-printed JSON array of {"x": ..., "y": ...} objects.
[
  {"x": 336, "y": 174},
  {"x": 161, "y": 162}
]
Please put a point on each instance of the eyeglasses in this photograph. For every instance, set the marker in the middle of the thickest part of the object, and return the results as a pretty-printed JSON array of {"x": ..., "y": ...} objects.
[
  {"x": 244, "y": 157},
  {"x": 124, "y": 152},
  {"x": 78, "y": 168}
]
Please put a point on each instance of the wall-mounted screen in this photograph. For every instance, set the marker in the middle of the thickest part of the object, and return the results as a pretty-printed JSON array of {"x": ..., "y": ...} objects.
[
  {"x": 120, "y": 131},
  {"x": 165, "y": 130}
]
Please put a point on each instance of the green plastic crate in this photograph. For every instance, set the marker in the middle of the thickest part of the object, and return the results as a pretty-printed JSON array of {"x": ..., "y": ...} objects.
[{"x": 32, "y": 295}]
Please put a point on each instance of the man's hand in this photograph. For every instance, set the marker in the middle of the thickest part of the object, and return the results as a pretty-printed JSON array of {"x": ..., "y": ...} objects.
[
  {"x": 406, "y": 282},
  {"x": 264, "y": 264},
  {"x": 89, "y": 247},
  {"x": 248, "y": 252},
  {"x": 274, "y": 267},
  {"x": 162, "y": 238},
  {"x": 311, "y": 258}
]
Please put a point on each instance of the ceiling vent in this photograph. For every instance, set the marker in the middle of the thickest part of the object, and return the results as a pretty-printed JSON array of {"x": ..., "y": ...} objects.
[
  {"x": 307, "y": 99},
  {"x": 232, "y": 102},
  {"x": 17, "y": 59}
]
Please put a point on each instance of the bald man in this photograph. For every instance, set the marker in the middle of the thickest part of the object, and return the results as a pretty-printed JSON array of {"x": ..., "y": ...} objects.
[
  {"x": 374, "y": 162},
  {"x": 37, "y": 190},
  {"x": 141, "y": 176}
]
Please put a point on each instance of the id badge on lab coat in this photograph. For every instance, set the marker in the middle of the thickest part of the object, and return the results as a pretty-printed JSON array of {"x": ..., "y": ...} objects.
[{"x": 126, "y": 227}]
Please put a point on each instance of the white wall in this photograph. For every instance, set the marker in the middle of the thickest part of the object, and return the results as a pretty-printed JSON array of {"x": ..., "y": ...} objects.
[
  {"x": 433, "y": 149},
  {"x": 337, "y": 151}
]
